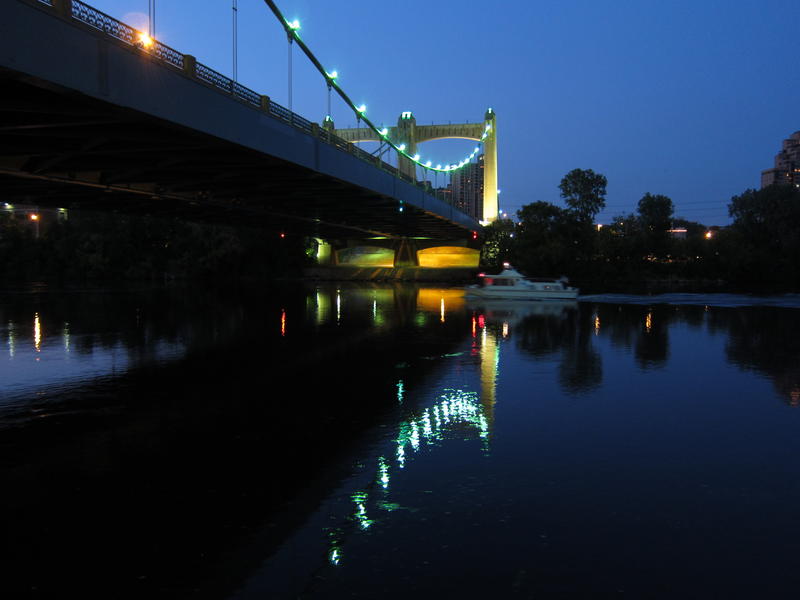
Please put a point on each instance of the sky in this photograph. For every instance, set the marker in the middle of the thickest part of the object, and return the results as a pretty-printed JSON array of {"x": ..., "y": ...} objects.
[{"x": 686, "y": 98}]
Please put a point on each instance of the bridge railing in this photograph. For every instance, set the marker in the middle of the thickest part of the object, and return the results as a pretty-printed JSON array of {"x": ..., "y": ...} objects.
[{"x": 188, "y": 65}]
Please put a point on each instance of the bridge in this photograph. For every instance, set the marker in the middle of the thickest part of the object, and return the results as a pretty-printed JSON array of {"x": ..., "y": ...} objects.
[{"x": 98, "y": 115}]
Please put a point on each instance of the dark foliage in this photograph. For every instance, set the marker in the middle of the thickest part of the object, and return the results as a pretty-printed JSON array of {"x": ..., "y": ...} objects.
[
  {"x": 759, "y": 251},
  {"x": 108, "y": 246}
]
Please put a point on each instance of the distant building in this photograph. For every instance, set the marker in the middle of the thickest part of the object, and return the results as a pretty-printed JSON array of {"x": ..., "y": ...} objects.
[
  {"x": 679, "y": 233},
  {"x": 787, "y": 164},
  {"x": 467, "y": 188}
]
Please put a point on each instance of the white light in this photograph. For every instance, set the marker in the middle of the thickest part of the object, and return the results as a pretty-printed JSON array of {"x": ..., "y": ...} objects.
[
  {"x": 428, "y": 164},
  {"x": 293, "y": 25},
  {"x": 401, "y": 147},
  {"x": 416, "y": 157},
  {"x": 362, "y": 109},
  {"x": 332, "y": 74}
]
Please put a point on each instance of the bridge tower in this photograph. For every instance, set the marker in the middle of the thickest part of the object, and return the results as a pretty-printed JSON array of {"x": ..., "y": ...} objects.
[
  {"x": 406, "y": 133},
  {"x": 409, "y": 133},
  {"x": 491, "y": 204}
]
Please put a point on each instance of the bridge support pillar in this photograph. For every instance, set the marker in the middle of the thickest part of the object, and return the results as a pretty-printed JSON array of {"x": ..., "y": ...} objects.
[
  {"x": 405, "y": 253},
  {"x": 326, "y": 255}
]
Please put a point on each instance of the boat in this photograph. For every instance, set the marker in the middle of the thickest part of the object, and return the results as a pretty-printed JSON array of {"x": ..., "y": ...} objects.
[{"x": 511, "y": 284}]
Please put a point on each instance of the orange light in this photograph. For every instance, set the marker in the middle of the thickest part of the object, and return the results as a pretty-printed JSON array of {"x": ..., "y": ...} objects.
[
  {"x": 34, "y": 217},
  {"x": 283, "y": 235},
  {"x": 145, "y": 40},
  {"x": 709, "y": 235}
]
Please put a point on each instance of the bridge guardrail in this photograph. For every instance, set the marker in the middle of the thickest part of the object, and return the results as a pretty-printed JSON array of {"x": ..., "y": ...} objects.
[{"x": 98, "y": 20}]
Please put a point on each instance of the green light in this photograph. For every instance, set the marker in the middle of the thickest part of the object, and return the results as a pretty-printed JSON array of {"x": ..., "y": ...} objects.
[{"x": 383, "y": 472}]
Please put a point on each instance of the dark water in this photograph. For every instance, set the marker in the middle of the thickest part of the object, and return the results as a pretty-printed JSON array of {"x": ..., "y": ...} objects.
[{"x": 395, "y": 442}]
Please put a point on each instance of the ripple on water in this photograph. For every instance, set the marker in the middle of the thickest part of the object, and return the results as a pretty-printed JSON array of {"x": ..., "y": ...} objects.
[{"x": 717, "y": 300}]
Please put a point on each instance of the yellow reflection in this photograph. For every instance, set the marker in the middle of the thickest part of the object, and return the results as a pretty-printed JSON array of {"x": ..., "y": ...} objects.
[
  {"x": 648, "y": 322},
  {"x": 283, "y": 322},
  {"x": 322, "y": 308},
  {"x": 338, "y": 305},
  {"x": 37, "y": 333},
  {"x": 432, "y": 299},
  {"x": 596, "y": 324},
  {"x": 490, "y": 359},
  {"x": 441, "y": 311},
  {"x": 505, "y": 329}
]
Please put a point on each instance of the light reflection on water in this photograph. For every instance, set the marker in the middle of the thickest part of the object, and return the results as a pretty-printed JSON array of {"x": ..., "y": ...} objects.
[{"x": 566, "y": 448}]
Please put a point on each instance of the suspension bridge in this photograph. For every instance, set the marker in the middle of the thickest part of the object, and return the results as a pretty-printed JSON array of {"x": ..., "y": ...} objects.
[{"x": 97, "y": 114}]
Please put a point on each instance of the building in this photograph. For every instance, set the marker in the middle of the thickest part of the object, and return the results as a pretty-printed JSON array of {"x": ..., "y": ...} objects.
[
  {"x": 467, "y": 188},
  {"x": 787, "y": 164}
]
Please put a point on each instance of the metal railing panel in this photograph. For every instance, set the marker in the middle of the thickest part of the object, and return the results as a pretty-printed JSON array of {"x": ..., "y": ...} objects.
[{"x": 118, "y": 30}]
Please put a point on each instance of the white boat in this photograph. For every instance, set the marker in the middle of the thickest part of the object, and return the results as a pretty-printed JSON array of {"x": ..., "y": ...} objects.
[{"x": 511, "y": 284}]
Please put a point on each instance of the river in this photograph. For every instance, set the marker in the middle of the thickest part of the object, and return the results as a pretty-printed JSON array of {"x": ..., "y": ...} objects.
[{"x": 395, "y": 441}]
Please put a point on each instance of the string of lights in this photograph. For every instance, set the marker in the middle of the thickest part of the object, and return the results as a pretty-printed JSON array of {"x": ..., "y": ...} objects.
[{"x": 292, "y": 30}]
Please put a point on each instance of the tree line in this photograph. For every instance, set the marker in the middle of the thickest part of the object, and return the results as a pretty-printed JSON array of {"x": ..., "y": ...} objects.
[
  {"x": 118, "y": 247},
  {"x": 759, "y": 250}
]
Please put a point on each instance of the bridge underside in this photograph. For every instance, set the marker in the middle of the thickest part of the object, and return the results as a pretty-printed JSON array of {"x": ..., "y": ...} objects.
[{"x": 61, "y": 148}]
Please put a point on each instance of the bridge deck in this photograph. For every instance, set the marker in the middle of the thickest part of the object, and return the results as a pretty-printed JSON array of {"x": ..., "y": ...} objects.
[{"x": 87, "y": 119}]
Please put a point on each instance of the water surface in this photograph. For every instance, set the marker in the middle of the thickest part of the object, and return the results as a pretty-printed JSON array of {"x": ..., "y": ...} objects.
[{"x": 381, "y": 441}]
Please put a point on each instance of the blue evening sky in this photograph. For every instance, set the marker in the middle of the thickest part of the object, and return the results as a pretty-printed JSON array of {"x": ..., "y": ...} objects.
[{"x": 685, "y": 98}]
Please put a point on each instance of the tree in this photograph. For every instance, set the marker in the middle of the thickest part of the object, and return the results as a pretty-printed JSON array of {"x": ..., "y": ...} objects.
[
  {"x": 655, "y": 212},
  {"x": 584, "y": 192},
  {"x": 499, "y": 243},
  {"x": 542, "y": 246},
  {"x": 766, "y": 232}
]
